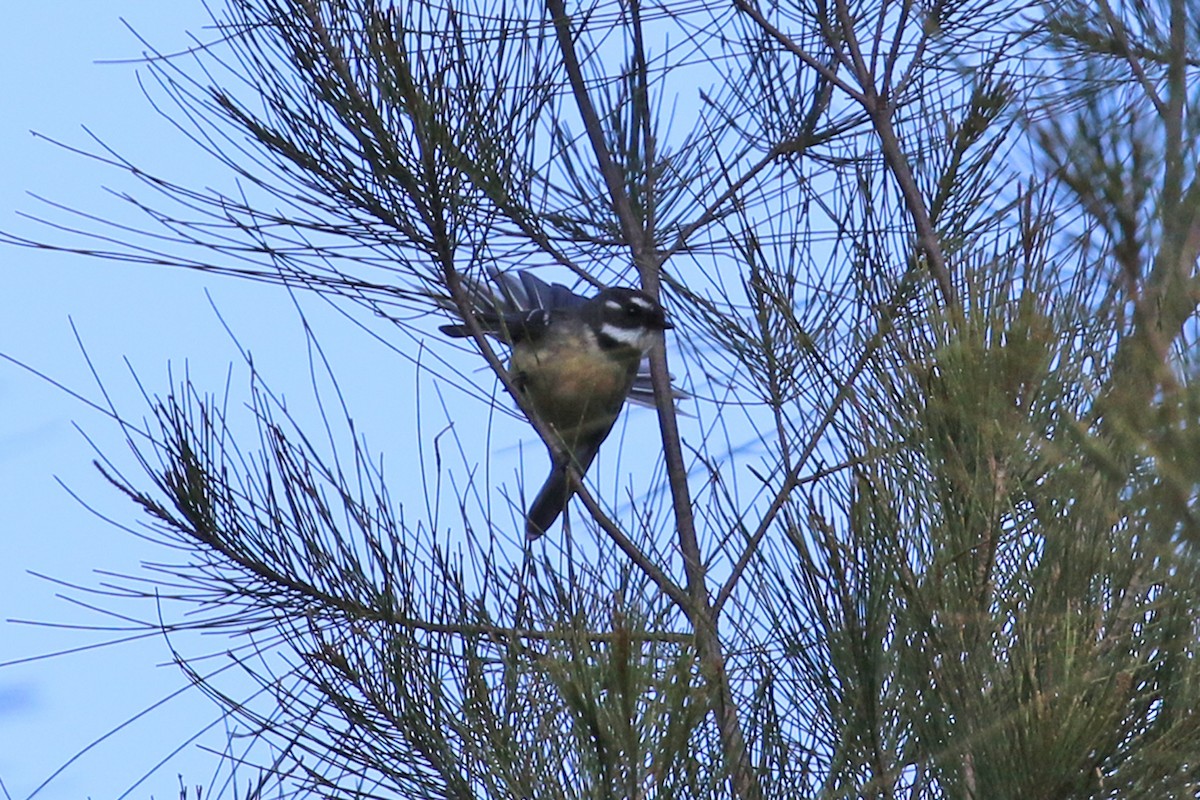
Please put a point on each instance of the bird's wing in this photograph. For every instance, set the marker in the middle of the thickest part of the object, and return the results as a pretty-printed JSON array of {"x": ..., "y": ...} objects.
[
  {"x": 526, "y": 291},
  {"x": 512, "y": 292},
  {"x": 512, "y": 327},
  {"x": 512, "y": 306},
  {"x": 641, "y": 393}
]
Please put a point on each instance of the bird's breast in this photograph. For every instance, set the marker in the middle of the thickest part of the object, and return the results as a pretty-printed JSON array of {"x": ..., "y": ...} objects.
[{"x": 573, "y": 386}]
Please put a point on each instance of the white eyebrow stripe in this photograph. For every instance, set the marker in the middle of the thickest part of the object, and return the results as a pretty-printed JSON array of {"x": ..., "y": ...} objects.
[
  {"x": 641, "y": 303},
  {"x": 613, "y": 304}
]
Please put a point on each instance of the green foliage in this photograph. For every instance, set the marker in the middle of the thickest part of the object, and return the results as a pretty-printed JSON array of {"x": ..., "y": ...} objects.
[{"x": 934, "y": 531}]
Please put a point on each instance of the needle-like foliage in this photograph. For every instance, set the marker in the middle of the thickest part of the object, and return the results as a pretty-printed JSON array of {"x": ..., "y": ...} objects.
[{"x": 931, "y": 531}]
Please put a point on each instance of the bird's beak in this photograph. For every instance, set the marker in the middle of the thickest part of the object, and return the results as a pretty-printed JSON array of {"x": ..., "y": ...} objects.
[{"x": 665, "y": 324}]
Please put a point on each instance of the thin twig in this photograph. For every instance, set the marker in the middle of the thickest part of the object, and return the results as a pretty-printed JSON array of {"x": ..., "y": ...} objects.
[{"x": 699, "y": 610}]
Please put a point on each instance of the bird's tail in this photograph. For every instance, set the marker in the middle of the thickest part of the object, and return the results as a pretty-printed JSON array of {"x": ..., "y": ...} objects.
[
  {"x": 555, "y": 493},
  {"x": 548, "y": 504}
]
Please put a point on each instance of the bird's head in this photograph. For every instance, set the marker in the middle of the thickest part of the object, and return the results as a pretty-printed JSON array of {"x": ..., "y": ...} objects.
[{"x": 627, "y": 319}]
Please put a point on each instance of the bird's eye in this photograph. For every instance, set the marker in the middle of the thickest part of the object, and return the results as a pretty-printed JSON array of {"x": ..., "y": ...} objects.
[{"x": 632, "y": 310}]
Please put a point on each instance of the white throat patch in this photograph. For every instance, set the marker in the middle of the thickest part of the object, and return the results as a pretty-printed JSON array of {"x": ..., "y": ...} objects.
[{"x": 636, "y": 338}]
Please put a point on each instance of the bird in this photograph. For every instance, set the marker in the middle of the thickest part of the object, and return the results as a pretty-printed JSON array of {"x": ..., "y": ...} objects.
[{"x": 575, "y": 360}]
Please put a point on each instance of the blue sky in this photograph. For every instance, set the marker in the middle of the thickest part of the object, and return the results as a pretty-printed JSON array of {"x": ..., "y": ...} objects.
[{"x": 51, "y": 709}]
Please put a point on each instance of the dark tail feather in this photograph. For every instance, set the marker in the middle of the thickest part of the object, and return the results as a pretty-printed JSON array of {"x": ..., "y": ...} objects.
[
  {"x": 556, "y": 491},
  {"x": 548, "y": 504}
]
